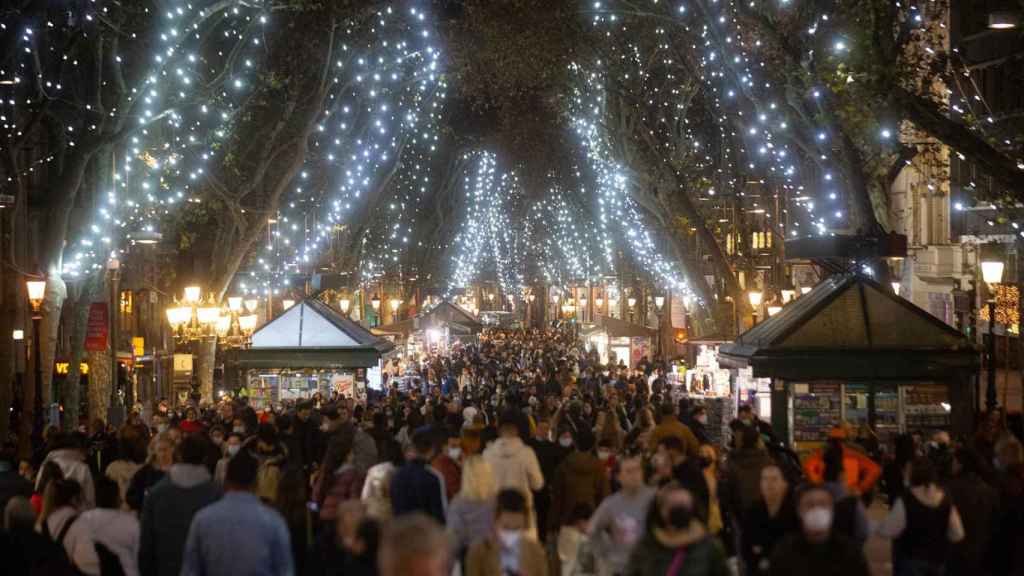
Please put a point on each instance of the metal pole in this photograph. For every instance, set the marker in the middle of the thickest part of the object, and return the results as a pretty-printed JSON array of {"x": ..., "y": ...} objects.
[
  {"x": 114, "y": 414},
  {"x": 37, "y": 406},
  {"x": 991, "y": 401}
]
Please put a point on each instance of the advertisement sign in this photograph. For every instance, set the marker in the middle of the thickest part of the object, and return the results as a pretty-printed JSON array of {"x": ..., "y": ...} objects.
[
  {"x": 138, "y": 346},
  {"x": 97, "y": 328}
]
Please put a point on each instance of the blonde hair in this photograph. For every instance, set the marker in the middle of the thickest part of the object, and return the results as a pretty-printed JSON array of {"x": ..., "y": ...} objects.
[
  {"x": 477, "y": 480},
  {"x": 157, "y": 439}
]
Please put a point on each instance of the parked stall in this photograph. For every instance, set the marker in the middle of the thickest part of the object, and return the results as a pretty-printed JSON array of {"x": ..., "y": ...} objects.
[
  {"x": 311, "y": 348},
  {"x": 852, "y": 350},
  {"x": 619, "y": 341},
  {"x": 435, "y": 329}
]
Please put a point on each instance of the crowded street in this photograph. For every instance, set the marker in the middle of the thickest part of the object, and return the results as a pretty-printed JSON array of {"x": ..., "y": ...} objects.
[
  {"x": 520, "y": 454},
  {"x": 511, "y": 288}
]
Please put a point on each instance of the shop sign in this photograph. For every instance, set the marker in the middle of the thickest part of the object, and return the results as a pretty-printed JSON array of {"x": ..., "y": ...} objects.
[
  {"x": 138, "y": 345},
  {"x": 97, "y": 328},
  {"x": 62, "y": 368},
  {"x": 182, "y": 363}
]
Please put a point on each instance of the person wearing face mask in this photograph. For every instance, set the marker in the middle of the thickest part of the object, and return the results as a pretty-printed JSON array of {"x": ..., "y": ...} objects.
[
  {"x": 699, "y": 424},
  {"x": 675, "y": 541},
  {"x": 230, "y": 447},
  {"x": 816, "y": 549},
  {"x": 579, "y": 480},
  {"x": 238, "y": 427},
  {"x": 508, "y": 551},
  {"x": 448, "y": 462}
]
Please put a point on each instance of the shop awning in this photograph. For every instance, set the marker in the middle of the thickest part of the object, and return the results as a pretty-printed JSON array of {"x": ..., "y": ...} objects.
[
  {"x": 311, "y": 334},
  {"x": 446, "y": 313},
  {"x": 850, "y": 327}
]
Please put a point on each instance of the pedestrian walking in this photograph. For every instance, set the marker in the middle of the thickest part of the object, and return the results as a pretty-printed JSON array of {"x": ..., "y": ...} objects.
[
  {"x": 816, "y": 548},
  {"x": 170, "y": 507},
  {"x": 238, "y": 520},
  {"x": 416, "y": 487},
  {"x": 675, "y": 540},
  {"x": 509, "y": 550},
  {"x": 925, "y": 521},
  {"x": 619, "y": 521}
]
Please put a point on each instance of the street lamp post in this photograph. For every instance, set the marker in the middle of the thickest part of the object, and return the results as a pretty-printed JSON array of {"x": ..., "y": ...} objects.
[
  {"x": 755, "y": 302},
  {"x": 395, "y": 304},
  {"x": 115, "y": 412},
  {"x": 659, "y": 302},
  {"x": 36, "y": 293},
  {"x": 375, "y": 304},
  {"x": 992, "y": 274}
]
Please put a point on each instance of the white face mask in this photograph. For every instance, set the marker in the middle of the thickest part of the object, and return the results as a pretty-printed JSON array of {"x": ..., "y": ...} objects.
[
  {"x": 509, "y": 538},
  {"x": 454, "y": 453},
  {"x": 238, "y": 429},
  {"x": 603, "y": 454},
  {"x": 817, "y": 519},
  {"x": 565, "y": 442},
  {"x": 703, "y": 418},
  {"x": 233, "y": 449}
]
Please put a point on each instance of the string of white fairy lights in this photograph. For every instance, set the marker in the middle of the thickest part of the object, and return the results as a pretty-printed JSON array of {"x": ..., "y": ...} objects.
[
  {"x": 202, "y": 57},
  {"x": 487, "y": 241},
  {"x": 371, "y": 153}
]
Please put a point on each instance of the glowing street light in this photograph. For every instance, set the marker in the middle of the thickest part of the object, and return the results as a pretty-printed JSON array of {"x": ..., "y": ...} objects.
[
  {"x": 992, "y": 274},
  {"x": 192, "y": 293}
]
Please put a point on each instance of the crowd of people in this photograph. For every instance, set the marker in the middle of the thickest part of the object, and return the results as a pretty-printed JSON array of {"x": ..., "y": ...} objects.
[{"x": 520, "y": 454}]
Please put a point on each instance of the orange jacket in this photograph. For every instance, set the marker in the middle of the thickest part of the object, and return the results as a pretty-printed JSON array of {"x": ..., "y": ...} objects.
[{"x": 861, "y": 471}]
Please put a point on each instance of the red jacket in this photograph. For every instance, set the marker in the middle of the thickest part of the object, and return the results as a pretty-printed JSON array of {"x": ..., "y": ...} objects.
[
  {"x": 450, "y": 471},
  {"x": 190, "y": 426}
]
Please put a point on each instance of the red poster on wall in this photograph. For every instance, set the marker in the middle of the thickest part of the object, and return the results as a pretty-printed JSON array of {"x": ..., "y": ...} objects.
[{"x": 98, "y": 327}]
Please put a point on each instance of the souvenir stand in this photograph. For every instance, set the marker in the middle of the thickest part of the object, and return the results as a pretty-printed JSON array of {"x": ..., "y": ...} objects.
[
  {"x": 619, "y": 339},
  {"x": 307, "y": 349},
  {"x": 707, "y": 383},
  {"x": 852, "y": 350},
  {"x": 435, "y": 329}
]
